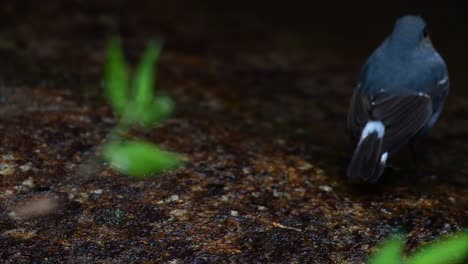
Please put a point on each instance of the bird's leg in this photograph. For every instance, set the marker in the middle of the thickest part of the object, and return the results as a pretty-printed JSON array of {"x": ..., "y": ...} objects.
[
  {"x": 414, "y": 158},
  {"x": 418, "y": 157},
  {"x": 391, "y": 165}
]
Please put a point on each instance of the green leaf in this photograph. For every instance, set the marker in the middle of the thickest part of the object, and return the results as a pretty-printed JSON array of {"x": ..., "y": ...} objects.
[
  {"x": 161, "y": 108},
  {"x": 450, "y": 250},
  {"x": 389, "y": 252},
  {"x": 140, "y": 159},
  {"x": 144, "y": 79},
  {"x": 116, "y": 77}
]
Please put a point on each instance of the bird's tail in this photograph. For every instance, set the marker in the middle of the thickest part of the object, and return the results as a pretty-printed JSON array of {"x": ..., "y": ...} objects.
[{"x": 368, "y": 161}]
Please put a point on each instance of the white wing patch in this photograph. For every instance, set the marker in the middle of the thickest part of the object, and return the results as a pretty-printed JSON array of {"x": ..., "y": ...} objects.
[{"x": 372, "y": 127}]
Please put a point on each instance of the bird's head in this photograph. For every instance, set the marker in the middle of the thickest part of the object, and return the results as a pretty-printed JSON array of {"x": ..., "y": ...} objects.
[{"x": 410, "y": 32}]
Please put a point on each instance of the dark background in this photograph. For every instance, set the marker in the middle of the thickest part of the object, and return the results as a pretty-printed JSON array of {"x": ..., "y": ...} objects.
[{"x": 323, "y": 28}]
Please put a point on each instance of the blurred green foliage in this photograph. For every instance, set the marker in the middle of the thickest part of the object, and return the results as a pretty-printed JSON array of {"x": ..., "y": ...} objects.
[
  {"x": 453, "y": 249},
  {"x": 134, "y": 102},
  {"x": 139, "y": 158},
  {"x": 390, "y": 252},
  {"x": 448, "y": 250},
  {"x": 116, "y": 78}
]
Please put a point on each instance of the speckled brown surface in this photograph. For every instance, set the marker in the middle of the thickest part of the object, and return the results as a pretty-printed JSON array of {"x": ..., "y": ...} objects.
[{"x": 260, "y": 119}]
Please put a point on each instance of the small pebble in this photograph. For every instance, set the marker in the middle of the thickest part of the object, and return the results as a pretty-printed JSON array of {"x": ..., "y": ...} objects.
[
  {"x": 385, "y": 211},
  {"x": 177, "y": 212},
  {"x": 28, "y": 182},
  {"x": 98, "y": 191},
  {"x": 25, "y": 167},
  {"x": 246, "y": 170},
  {"x": 257, "y": 194},
  {"x": 320, "y": 171},
  {"x": 7, "y": 169},
  {"x": 172, "y": 198},
  {"x": 325, "y": 188},
  {"x": 234, "y": 213},
  {"x": 275, "y": 194},
  {"x": 8, "y": 157},
  {"x": 305, "y": 166}
]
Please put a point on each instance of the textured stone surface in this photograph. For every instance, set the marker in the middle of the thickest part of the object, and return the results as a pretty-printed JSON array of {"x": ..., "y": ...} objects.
[{"x": 261, "y": 118}]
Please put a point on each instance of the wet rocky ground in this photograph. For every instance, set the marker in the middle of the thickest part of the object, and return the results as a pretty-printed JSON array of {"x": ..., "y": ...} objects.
[{"x": 261, "y": 113}]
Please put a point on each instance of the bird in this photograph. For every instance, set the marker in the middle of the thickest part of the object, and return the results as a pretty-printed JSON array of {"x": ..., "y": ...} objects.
[{"x": 400, "y": 93}]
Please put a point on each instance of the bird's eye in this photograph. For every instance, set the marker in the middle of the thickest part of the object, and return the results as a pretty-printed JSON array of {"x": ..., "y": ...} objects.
[{"x": 425, "y": 34}]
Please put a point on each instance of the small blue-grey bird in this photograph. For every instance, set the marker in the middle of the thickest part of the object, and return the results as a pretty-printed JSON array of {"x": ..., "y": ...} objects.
[{"x": 401, "y": 92}]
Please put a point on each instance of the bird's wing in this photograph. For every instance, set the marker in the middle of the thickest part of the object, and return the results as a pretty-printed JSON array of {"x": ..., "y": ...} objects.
[
  {"x": 358, "y": 114},
  {"x": 403, "y": 116}
]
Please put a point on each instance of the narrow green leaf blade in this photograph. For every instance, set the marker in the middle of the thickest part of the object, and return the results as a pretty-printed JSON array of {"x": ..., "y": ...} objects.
[
  {"x": 140, "y": 159},
  {"x": 116, "y": 77},
  {"x": 145, "y": 78},
  {"x": 389, "y": 252},
  {"x": 450, "y": 250}
]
